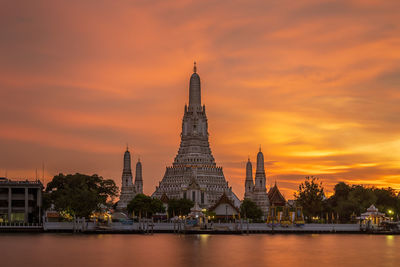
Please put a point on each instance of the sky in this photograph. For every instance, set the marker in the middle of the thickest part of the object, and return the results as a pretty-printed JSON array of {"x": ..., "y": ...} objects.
[{"x": 315, "y": 83}]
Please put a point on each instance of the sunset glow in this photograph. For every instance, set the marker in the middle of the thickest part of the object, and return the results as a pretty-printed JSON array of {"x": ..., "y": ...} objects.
[{"x": 315, "y": 83}]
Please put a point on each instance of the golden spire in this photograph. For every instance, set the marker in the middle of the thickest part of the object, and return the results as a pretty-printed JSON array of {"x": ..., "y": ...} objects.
[{"x": 194, "y": 67}]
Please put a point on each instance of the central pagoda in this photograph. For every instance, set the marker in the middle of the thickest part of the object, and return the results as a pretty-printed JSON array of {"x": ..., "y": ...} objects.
[{"x": 194, "y": 174}]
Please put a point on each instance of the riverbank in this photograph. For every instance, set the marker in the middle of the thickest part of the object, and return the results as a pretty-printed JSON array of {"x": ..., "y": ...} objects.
[{"x": 217, "y": 228}]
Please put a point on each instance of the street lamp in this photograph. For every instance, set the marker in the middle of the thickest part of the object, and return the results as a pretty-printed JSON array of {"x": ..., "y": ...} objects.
[{"x": 390, "y": 214}]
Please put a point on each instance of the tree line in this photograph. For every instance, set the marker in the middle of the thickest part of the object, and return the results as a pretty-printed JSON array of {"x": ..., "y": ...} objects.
[
  {"x": 80, "y": 195},
  {"x": 346, "y": 202}
]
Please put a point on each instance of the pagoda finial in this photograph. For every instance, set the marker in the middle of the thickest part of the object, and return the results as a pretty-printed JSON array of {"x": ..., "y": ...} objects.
[
  {"x": 260, "y": 149},
  {"x": 127, "y": 147},
  {"x": 194, "y": 67}
]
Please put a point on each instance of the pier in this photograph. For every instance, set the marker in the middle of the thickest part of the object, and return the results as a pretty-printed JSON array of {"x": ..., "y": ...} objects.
[{"x": 150, "y": 227}]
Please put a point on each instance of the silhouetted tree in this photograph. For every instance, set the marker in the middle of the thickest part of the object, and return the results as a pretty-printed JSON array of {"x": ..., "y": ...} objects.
[
  {"x": 250, "y": 210},
  {"x": 145, "y": 206},
  {"x": 178, "y": 207},
  {"x": 310, "y": 196},
  {"x": 80, "y": 194}
]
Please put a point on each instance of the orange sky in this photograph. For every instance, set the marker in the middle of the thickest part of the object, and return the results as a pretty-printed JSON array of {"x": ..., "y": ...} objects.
[{"x": 316, "y": 83}]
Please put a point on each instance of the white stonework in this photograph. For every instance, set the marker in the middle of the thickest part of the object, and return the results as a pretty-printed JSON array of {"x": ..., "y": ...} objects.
[
  {"x": 194, "y": 174},
  {"x": 129, "y": 189},
  {"x": 257, "y": 190}
]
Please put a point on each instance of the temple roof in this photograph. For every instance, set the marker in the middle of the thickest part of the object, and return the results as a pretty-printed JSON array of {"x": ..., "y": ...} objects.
[
  {"x": 372, "y": 208},
  {"x": 275, "y": 196},
  {"x": 164, "y": 198},
  {"x": 224, "y": 200}
]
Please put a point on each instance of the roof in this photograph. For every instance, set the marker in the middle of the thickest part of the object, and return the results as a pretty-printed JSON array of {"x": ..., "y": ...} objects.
[
  {"x": 224, "y": 200},
  {"x": 20, "y": 183},
  {"x": 164, "y": 198},
  {"x": 275, "y": 196},
  {"x": 372, "y": 208},
  {"x": 119, "y": 216}
]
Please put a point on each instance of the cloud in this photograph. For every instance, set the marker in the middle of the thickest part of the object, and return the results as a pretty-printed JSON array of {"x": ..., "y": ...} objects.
[{"x": 315, "y": 83}]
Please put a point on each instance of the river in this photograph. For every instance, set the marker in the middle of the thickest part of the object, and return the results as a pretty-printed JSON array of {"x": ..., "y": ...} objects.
[{"x": 59, "y": 250}]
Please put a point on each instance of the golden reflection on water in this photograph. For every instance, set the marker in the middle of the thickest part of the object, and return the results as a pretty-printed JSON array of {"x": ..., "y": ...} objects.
[
  {"x": 390, "y": 241},
  {"x": 204, "y": 238},
  {"x": 48, "y": 250}
]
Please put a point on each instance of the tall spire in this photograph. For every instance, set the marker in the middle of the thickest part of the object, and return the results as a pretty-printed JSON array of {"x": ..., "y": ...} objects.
[
  {"x": 260, "y": 162},
  {"x": 139, "y": 178},
  {"x": 126, "y": 172},
  {"x": 249, "y": 182},
  {"x": 260, "y": 179},
  {"x": 194, "y": 148},
  {"x": 194, "y": 90},
  {"x": 249, "y": 171}
]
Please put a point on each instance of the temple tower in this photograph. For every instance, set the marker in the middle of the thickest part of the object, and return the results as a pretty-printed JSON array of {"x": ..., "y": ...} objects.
[
  {"x": 138, "y": 178},
  {"x": 249, "y": 182},
  {"x": 260, "y": 179},
  {"x": 126, "y": 172},
  {"x": 128, "y": 190},
  {"x": 257, "y": 192},
  {"x": 194, "y": 173}
]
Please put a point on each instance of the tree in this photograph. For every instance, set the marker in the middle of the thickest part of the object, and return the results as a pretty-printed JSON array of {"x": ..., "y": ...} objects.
[
  {"x": 356, "y": 199},
  {"x": 361, "y": 198},
  {"x": 79, "y": 194},
  {"x": 339, "y": 203},
  {"x": 145, "y": 206},
  {"x": 179, "y": 207},
  {"x": 310, "y": 196},
  {"x": 342, "y": 190},
  {"x": 250, "y": 210},
  {"x": 386, "y": 199}
]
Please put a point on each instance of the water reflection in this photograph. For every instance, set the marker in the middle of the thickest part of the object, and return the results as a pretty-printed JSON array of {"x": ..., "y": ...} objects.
[{"x": 59, "y": 250}]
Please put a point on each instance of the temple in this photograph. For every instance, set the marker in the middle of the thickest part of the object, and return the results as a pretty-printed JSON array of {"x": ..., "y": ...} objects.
[
  {"x": 194, "y": 174},
  {"x": 256, "y": 189},
  {"x": 129, "y": 189}
]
